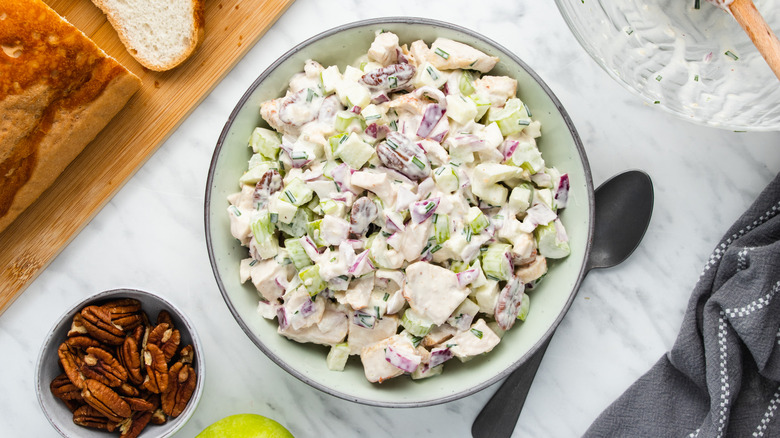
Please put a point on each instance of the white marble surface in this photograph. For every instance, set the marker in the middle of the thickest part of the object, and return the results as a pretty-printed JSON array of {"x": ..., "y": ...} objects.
[{"x": 151, "y": 237}]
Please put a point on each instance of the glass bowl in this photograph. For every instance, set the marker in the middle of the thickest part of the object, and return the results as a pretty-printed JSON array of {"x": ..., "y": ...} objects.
[{"x": 697, "y": 64}]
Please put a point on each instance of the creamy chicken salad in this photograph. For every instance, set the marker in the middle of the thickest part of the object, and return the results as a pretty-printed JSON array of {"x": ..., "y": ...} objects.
[{"x": 399, "y": 209}]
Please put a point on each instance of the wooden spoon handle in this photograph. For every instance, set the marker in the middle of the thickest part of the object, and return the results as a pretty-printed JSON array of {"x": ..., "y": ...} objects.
[{"x": 746, "y": 14}]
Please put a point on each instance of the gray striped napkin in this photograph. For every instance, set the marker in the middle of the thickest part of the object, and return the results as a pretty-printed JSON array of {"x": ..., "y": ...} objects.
[{"x": 722, "y": 376}]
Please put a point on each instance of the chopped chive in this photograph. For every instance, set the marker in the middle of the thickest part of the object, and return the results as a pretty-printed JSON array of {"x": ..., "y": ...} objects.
[
  {"x": 435, "y": 248},
  {"x": 394, "y": 125},
  {"x": 299, "y": 155},
  {"x": 522, "y": 122},
  {"x": 430, "y": 206},
  {"x": 235, "y": 210},
  {"x": 697, "y": 4},
  {"x": 290, "y": 196},
  {"x": 477, "y": 333},
  {"x": 392, "y": 144},
  {"x": 731, "y": 55},
  {"x": 527, "y": 111},
  {"x": 253, "y": 262},
  {"x": 343, "y": 277},
  {"x": 416, "y": 340},
  {"x": 629, "y": 31},
  {"x": 274, "y": 217},
  {"x": 309, "y": 94},
  {"x": 657, "y": 102},
  {"x": 658, "y": 78},
  {"x": 432, "y": 73},
  {"x": 696, "y": 78},
  {"x": 468, "y": 234},
  {"x": 373, "y": 117},
  {"x": 385, "y": 298},
  {"x": 393, "y": 81},
  {"x": 441, "y": 53},
  {"x": 417, "y": 162}
]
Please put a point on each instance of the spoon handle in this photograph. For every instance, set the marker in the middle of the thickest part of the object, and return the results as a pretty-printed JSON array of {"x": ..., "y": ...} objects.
[
  {"x": 746, "y": 14},
  {"x": 499, "y": 416}
]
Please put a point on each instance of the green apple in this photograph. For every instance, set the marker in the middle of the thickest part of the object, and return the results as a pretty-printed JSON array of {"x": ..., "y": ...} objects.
[{"x": 245, "y": 426}]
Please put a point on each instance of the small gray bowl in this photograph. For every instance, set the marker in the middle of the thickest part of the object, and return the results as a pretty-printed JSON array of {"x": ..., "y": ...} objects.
[{"x": 48, "y": 364}]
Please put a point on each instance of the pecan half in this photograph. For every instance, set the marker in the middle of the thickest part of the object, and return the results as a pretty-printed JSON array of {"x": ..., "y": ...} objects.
[
  {"x": 133, "y": 426},
  {"x": 77, "y": 326},
  {"x": 71, "y": 364},
  {"x": 167, "y": 338},
  {"x": 181, "y": 385},
  {"x": 88, "y": 416},
  {"x": 394, "y": 77},
  {"x": 139, "y": 404},
  {"x": 400, "y": 153},
  {"x": 105, "y": 400},
  {"x": 159, "y": 417},
  {"x": 64, "y": 389},
  {"x": 101, "y": 365},
  {"x": 156, "y": 380},
  {"x": 187, "y": 354},
  {"x": 164, "y": 317},
  {"x": 81, "y": 343},
  {"x": 126, "y": 313},
  {"x": 97, "y": 321},
  {"x": 129, "y": 355},
  {"x": 127, "y": 390}
]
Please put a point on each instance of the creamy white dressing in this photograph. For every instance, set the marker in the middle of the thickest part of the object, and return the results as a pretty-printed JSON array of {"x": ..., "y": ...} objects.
[{"x": 394, "y": 204}]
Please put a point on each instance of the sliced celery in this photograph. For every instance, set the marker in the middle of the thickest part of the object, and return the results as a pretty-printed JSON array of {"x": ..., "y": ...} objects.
[
  {"x": 337, "y": 357},
  {"x": 512, "y": 118},
  {"x": 265, "y": 142},
  {"x": 477, "y": 220},
  {"x": 415, "y": 324},
  {"x": 466, "y": 83},
  {"x": 297, "y": 226},
  {"x": 548, "y": 241},
  {"x": 313, "y": 231},
  {"x": 297, "y": 254},
  {"x": 310, "y": 277},
  {"x": 496, "y": 262},
  {"x": 263, "y": 232},
  {"x": 297, "y": 193},
  {"x": 343, "y": 120},
  {"x": 525, "y": 307},
  {"x": 441, "y": 226}
]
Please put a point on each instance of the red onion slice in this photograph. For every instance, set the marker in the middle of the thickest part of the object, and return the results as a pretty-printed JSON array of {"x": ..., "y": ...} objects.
[{"x": 401, "y": 360}]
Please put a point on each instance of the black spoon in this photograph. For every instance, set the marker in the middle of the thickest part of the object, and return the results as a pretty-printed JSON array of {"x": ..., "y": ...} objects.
[{"x": 623, "y": 206}]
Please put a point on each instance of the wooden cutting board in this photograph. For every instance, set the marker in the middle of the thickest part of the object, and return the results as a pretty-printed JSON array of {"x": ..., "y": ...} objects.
[{"x": 232, "y": 27}]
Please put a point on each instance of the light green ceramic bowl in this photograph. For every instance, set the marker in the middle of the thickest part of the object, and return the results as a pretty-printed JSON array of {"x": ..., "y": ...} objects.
[{"x": 560, "y": 146}]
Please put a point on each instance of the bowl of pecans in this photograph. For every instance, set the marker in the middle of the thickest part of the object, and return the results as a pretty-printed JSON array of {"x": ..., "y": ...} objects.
[{"x": 122, "y": 361}]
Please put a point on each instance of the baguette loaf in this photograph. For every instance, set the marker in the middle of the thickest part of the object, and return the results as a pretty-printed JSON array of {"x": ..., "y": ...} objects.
[
  {"x": 58, "y": 90},
  {"x": 160, "y": 35}
]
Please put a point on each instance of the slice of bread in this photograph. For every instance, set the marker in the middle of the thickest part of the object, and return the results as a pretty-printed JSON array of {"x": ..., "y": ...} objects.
[
  {"x": 159, "y": 34},
  {"x": 58, "y": 90}
]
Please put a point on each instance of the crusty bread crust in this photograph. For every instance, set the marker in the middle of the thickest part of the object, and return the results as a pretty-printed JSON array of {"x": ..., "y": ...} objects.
[
  {"x": 58, "y": 90},
  {"x": 123, "y": 25}
]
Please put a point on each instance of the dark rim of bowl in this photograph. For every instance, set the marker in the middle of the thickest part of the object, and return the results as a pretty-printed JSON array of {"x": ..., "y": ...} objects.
[
  {"x": 109, "y": 294},
  {"x": 413, "y": 21}
]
